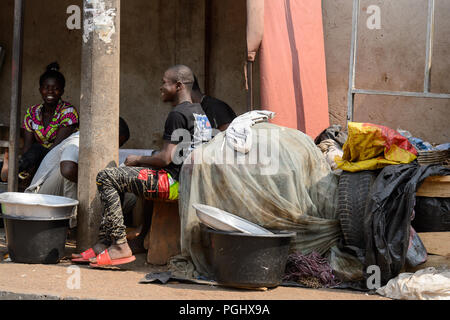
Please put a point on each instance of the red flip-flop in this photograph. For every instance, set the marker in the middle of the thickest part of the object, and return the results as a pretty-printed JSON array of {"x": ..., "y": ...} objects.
[
  {"x": 86, "y": 255},
  {"x": 103, "y": 259}
]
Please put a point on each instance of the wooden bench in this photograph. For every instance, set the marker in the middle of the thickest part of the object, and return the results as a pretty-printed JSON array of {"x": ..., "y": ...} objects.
[
  {"x": 163, "y": 238},
  {"x": 435, "y": 186}
]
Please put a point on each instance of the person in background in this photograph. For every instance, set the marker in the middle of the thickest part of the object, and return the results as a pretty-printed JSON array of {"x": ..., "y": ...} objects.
[
  {"x": 219, "y": 113},
  {"x": 58, "y": 173},
  {"x": 48, "y": 123}
]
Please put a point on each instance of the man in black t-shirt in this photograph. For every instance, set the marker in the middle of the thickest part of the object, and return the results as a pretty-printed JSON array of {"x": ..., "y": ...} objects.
[
  {"x": 152, "y": 177},
  {"x": 219, "y": 113}
]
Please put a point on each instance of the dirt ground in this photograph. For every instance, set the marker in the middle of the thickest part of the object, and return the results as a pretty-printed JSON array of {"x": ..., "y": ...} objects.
[{"x": 57, "y": 281}]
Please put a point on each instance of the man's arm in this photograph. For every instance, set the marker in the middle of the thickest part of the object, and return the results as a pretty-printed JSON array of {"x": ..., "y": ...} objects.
[
  {"x": 160, "y": 160},
  {"x": 62, "y": 134},
  {"x": 69, "y": 170},
  {"x": 224, "y": 126}
]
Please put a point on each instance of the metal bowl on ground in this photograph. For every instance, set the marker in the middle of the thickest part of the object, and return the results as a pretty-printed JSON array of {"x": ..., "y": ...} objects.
[
  {"x": 36, "y": 226},
  {"x": 247, "y": 261},
  {"x": 37, "y": 206}
]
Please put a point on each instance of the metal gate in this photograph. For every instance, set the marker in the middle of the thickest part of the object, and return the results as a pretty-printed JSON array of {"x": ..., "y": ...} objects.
[{"x": 352, "y": 91}]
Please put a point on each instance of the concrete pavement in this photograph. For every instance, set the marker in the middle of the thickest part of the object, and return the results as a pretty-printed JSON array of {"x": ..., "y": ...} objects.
[
  {"x": 67, "y": 281},
  {"x": 57, "y": 282}
]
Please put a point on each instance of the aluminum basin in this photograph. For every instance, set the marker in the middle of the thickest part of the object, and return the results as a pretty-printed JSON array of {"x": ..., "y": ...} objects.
[
  {"x": 221, "y": 220},
  {"x": 32, "y": 206}
]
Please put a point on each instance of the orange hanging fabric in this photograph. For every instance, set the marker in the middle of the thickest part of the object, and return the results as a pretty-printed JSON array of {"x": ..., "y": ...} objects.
[{"x": 292, "y": 65}]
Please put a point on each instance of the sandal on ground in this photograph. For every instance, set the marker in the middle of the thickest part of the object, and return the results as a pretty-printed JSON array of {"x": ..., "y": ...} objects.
[
  {"x": 85, "y": 256},
  {"x": 103, "y": 259}
]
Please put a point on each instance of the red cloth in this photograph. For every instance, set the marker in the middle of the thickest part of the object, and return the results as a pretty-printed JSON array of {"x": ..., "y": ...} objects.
[{"x": 162, "y": 188}]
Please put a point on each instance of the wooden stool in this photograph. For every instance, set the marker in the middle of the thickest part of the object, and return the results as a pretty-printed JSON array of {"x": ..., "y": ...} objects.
[{"x": 163, "y": 238}]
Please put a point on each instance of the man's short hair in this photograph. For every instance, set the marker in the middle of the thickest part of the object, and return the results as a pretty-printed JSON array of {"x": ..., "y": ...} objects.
[
  {"x": 124, "y": 131},
  {"x": 183, "y": 74}
]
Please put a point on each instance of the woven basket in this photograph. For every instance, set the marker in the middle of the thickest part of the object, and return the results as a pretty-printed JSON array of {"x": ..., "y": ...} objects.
[{"x": 434, "y": 157}]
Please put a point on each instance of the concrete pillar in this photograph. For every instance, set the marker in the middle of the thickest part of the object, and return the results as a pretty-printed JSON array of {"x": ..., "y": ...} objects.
[{"x": 99, "y": 109}]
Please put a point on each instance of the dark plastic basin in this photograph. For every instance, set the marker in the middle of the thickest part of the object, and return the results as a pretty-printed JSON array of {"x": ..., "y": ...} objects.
[
  {"x": 247, "y": 261},
  {"x": 35, "y": 241}
]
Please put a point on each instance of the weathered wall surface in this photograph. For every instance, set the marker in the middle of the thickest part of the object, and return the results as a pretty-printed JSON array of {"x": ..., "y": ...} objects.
[
  {"x": 391, "y": 58},
  {"x": 154, "y": 35},
  {"x": 47, "y": 39},
  {"x": 228, "y": 54}
]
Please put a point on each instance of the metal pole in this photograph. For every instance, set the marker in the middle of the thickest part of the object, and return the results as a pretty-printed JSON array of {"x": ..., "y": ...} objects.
[
  {"x": 352, "y": 69},
  {"x": 403, "y": 94},
  {"x": 16, "y": 92},
  {"x": 250, "y": 85},
  {"x": 429, "y": 53},
  {"x": 2, "y": 57}
]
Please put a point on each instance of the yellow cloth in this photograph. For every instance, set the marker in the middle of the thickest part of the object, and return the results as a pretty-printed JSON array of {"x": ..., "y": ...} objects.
[{"x": 371, "y": 147}]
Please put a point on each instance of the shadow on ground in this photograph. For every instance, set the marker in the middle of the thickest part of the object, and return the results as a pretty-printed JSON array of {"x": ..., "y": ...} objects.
[{"x": 140, "y": 265}]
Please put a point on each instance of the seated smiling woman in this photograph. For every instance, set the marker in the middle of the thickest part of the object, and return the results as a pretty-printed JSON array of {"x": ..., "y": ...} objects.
[{"x": 48, "y": 123}]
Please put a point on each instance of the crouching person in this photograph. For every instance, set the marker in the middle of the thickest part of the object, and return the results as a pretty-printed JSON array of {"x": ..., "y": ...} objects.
[
  {"x": 57, "y": 174},
  {"x": 148, "y": 176}
]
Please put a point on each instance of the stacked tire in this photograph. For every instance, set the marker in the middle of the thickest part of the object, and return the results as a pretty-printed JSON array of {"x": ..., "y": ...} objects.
[{"x": 353, "y": 194}]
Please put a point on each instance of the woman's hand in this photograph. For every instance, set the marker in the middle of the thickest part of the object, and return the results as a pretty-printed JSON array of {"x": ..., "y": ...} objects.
[
  {"x": 62, "y": 134},
  {"x": 132, "y": 161}
]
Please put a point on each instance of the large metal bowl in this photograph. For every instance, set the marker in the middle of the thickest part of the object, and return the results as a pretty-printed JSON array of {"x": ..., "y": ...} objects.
[
  {"x": 224, "y": 221},
  {"x": 32, "y": 206}
]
